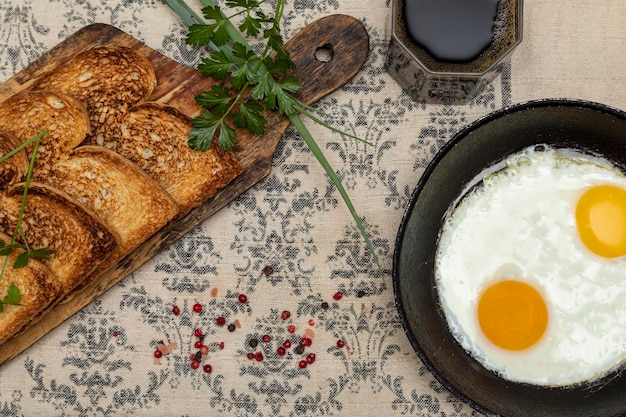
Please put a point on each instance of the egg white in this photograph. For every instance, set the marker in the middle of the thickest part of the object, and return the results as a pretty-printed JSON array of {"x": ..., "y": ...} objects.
[{"x": 520, "y": 223}]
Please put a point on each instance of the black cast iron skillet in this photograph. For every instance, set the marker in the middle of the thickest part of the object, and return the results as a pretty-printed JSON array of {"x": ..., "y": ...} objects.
[{"x": 588, "y": 127}]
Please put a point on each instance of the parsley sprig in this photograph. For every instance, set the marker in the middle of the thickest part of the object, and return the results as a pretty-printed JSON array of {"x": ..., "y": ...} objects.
[
  {"x": 255, "y": 81},
  {"x": 13, "y": 295}
]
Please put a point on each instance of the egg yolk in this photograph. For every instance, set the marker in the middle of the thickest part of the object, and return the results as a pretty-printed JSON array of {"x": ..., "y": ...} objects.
[
  {"x": 512, "y": 314},
  {"x": 601, "y": 220}
]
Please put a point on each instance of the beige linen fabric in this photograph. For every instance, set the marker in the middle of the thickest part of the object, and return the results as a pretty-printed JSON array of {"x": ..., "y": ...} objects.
[{"x": 100, "y": 361}]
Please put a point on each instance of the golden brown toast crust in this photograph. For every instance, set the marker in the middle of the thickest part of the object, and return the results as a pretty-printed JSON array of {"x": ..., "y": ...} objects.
[
  {"x": 53, "y": 220},
  {"x": 155, "y": 138},
  {"x": 38, "y": 288},
  {"x": 109, "y": 80}
]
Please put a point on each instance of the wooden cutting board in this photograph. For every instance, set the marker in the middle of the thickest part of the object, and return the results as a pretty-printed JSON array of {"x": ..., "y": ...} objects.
[{"x": 343, "y": 38}]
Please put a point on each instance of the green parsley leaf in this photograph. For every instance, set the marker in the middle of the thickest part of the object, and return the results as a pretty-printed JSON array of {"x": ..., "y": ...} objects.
[
  {"x": 217, "y": 100},
  {"x": 249, "y": 115},
  {"x": 13, "y": 295}
]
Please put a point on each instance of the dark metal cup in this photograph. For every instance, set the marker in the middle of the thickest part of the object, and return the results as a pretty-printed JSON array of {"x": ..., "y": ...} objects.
[{"x": 424, "y": 77}]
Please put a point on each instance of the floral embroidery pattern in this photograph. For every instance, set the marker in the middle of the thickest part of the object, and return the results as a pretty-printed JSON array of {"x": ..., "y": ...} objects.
[{"x": 288, "y": 245}]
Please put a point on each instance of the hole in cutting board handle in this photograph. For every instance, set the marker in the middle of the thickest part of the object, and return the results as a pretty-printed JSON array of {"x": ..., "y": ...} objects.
[{"x": 324, "y": 53}]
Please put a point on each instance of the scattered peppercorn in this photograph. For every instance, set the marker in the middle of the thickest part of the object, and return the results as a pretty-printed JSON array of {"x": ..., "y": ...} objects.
[
  {"x": 195, "y": 364},
  {"x": 299, "y": 350},
  {"x": 243, "y": 298},
  {"x": 325, "y": 305},
  {"x": 175, "y": 310},
  {"x": 338, "y": 295},
  {"x": 250, "y": 355},
  {"x": 285, "y": 315},
  {"x": 340, "y": 343},
  {"x": 268, "y": 270},
  {"x": 253, "y": 343},
  {"x": 360, "y": 294},
  {"x": 221, "y": 321},
  {"x": 197, "y": 308},
  {"x": 291, "y": 328},
  {"x": 281, "y": 351},
  {"x": 158, "y": 353},
  {"x": 208, "y": 368},
  {"x": 231, "y": 327},
  {"x": 286, "y": 344},
  {"x": 197, "y": 333},
  {"x": 266, "y": 338},
  {"x": 258, "y": 356},
  {"x": 204, "y": 349},
  {"x": 197, "y": 344},
  {"x": 310, "y": 358},
  {"x": 302, "y": 364},
  {"x": 198, "y": 355}
]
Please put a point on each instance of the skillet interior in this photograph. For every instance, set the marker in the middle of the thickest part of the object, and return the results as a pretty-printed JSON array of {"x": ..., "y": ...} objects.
[{"x": 588, "y": 127}]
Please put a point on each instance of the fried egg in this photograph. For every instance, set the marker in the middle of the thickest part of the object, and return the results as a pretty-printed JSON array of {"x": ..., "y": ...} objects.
[{"x": 531, "y": 269}]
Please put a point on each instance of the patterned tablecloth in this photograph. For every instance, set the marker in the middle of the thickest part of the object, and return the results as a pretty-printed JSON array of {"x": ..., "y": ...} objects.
[{"x": 289, "y": 244}]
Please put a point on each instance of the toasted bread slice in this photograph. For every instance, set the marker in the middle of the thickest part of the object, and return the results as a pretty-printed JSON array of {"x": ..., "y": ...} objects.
[
  {"x": 25, "y": 114},
  {"x": 155, "y": 138},
  {"x": 108, "y": 80},
  {"x": 38, "y": 288},
  {"x": 132, "y": 204},
  {"x": 119, "y": 192},
  {"x": 55, "y": 221}
]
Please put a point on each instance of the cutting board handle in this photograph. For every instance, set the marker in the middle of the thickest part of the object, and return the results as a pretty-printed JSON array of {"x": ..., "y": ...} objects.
[{"x": 328, "y": 53}]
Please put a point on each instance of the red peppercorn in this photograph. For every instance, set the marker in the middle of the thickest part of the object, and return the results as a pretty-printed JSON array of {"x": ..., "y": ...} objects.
[
  {"x": 338, "y": 295},
  {"x": 302, "y": 364},
  {"x": 175, "y": 310},
  {"x": 311, "y": 322},
  {"x": 198, "y": 344},
  {"x": 197, "y": 308},
  {"x": 340, "y": 343},
  {"x": 291, "y": 328},
  {"x": 221, "y": 321},
  {"x": 250, "y": 355},
  {"x": 310, "y": 358},
  {"x": 286, "y": 344},
  {"x": 115, "y": 334},
  {"x": 208, "y": 368},
  {"x": 281, "y": 351},
  {"x": 243, "y": 298},
  {"x": 195, "y": 364},
  {"x": 285, "y": 315},
  {"x": 204, "y": 349},
  {"x": 192, "y": 356},
  {"x": 305, "y": 341},
  {"x": 266, "y": 338},
  {"x": 197, "y": 333},
  {"x": 158, "y": 353},
  {"x": 221, "y": 345},
  {"x": 258, "y": 356}
]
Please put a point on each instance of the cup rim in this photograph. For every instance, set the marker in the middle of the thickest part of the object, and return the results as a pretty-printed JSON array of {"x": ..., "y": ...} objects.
[{"x": 401, "y": 44}]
